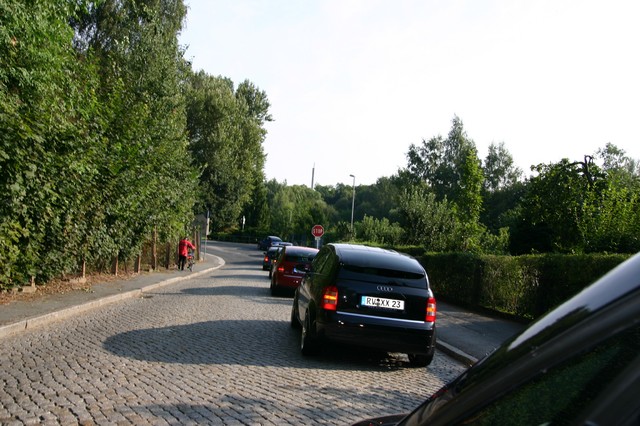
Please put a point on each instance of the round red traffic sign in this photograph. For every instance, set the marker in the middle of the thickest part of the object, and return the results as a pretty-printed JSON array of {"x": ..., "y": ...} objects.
[{"x": 317, "y": 231}]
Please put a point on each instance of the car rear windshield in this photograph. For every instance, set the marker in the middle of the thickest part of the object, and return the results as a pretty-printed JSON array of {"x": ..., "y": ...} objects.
[
  {"x": 378, "y": 275},
  {"x": 299, "y": 257}
]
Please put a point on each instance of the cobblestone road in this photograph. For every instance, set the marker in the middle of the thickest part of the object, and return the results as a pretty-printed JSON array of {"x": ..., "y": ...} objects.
[{"x": 213, "y": 350}]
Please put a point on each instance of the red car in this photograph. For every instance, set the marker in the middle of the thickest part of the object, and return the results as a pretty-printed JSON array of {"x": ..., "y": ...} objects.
[{"x": 293, "y": 262}]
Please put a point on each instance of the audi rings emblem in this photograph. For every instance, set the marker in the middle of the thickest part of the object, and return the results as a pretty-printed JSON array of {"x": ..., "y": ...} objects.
[{"x": 384, "y": 288}]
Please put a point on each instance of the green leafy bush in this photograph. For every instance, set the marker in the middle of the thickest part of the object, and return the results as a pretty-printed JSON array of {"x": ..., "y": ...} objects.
[{"x": 523, "y": 286}]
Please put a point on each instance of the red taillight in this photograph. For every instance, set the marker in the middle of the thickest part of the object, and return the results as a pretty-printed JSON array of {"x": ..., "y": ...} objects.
[
  {"x": 431, "y": 310},
  {"x": 330, "y": 298},
  {"x": 280, "y": 268},
  {"x": 266, "y": 259}
]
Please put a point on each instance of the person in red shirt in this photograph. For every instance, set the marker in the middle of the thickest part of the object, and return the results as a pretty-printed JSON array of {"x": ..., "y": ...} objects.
[{"x": 183, "y": 251}]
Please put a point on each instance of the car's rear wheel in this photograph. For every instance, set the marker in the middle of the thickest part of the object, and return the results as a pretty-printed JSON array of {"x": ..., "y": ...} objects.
[
  {"x": 421, "y": 360},
  {"x": 308, "y": 340},
  {"x": 274, "y": 289},
  {"x": 294, "y": 318}
]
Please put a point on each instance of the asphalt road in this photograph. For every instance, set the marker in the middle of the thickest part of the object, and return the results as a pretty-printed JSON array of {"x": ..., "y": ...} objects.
[{"x": 216, "y": 349}]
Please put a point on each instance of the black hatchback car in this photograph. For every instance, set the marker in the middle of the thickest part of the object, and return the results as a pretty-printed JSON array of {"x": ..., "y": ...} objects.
[
  {"x": 369, "y": 297},
  {"x": 577, "y": 365}
]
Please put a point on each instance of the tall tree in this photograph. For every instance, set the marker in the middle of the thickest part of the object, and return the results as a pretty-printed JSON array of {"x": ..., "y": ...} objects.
[
  {"x": 451, "y": 169},
  {"x": 613, "y": 222},
  {"x": 377, "y": 200},
  {"x": 146, "y": 163},
  {"x": 226, "y": 134},
  {"x": 48, "y": 135},
  {"x": 255, "y": 106},
  {"x": 619, "y": 166},
  {"x": 546, "y": 226},
  {"x": 502, "y": 188},
  {"x": 340, "y": 198},
  {"x": 499, "y": 169},
  {"x": 295, "y": 210}
]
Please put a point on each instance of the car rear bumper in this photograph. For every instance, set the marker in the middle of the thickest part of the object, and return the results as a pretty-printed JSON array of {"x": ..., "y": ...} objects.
[
  {"x": 392, "y": 335},
  {"x": 288, "y": 281}
]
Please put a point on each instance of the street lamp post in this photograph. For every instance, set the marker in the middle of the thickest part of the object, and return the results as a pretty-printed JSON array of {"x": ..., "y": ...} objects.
[{"x": 353, "y": 203}]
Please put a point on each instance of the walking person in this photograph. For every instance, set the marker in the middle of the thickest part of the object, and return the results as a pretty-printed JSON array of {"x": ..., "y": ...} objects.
[{"x": 183, "y": 251}]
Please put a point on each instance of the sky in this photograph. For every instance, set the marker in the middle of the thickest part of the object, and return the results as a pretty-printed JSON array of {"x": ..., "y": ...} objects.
[{"x": 353, "y": 83}]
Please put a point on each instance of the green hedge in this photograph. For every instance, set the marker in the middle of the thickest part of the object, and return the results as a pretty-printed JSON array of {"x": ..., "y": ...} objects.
[{"x": 523, "y": 286}]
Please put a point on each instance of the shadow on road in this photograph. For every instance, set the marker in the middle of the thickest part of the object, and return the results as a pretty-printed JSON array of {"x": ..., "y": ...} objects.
[{"x": 242, "y": 342}]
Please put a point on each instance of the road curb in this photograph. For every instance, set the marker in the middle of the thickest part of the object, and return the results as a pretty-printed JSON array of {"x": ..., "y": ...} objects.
[
  {"x": 40, "y": 320},
  {"x": 456, "y": 353}
]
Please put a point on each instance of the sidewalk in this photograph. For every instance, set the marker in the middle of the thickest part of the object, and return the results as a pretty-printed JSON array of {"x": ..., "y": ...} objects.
[
  {"x": 468, "y": 336},
  {"x": 462, "y": 335},
  {"x": 21, "y": 315}
]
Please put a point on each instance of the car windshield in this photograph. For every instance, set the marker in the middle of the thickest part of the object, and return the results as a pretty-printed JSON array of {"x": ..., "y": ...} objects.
[
  {"x": 299, "y": 257},
  {"x": 374, "y": 275},
  {"x": 382, "y": 272}
]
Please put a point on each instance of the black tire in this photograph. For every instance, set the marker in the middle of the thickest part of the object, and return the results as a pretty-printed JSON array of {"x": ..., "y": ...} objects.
[
  {"x": 274, "y": 289},
  {"x": 295, "y": 324},
  {"x": 421, "y": 360},
  {"x": 308, "y": 340}
]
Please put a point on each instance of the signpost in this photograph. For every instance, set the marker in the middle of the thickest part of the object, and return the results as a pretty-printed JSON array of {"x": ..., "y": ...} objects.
[{"x": 317, "y": 231}]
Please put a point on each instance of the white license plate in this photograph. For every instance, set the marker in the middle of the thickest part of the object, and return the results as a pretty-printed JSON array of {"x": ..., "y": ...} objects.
[{"x": 380, "y": 302}]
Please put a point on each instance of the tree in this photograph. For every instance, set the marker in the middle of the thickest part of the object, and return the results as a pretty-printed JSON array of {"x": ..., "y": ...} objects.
[
  {"x": 620, "y": 167},
  {"x": 93, "y": 132},
  {"x": 340, "y": 199},
  {"x": 148, "y": 177},
  {"x": 612, "y": 222},
  {"x": 257, "y": 211},
  {"x": 377, "y": 200},
  {"x": 546, "y": 226},
  {"x": 226, "y": 135},
  {"x": 255, "y": 105},
  {"x": 380, "y": 231},
  {"x": 451, "y": 169},
  {"x": 48, "y": 159},
  {"x": 500, "y": 206},
  {"x": 502, "y": 188},
  {"x": 427, "y": 221},
  {"x": 499, "y": 169},
  {"x": 295, "y": 210},
  {"x": 427, "y": 163}
]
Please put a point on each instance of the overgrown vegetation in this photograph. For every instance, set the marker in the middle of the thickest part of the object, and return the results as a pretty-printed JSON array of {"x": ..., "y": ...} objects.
[
  {"x": 109, "y": 139},
  {"x": 104, "y": 144}
]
